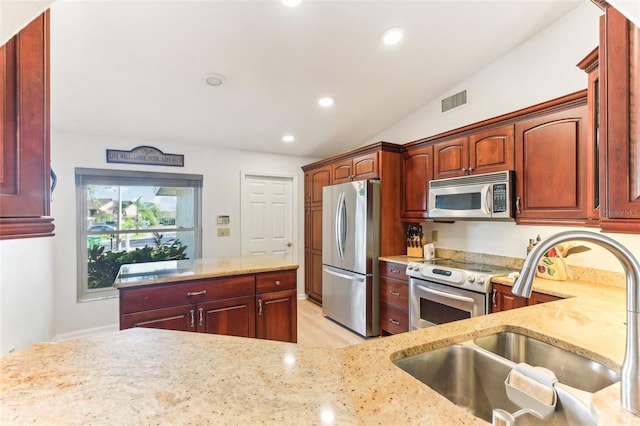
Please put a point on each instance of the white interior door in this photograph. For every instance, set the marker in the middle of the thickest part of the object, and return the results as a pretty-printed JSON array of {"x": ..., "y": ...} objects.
[{"x": 267, "y": 215}]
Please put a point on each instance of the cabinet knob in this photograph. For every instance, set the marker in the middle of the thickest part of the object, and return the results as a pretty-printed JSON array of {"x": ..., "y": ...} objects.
[
  {"x": 464, "y": 169},
  {"x": 277, "y": 282},
  {"x": 470, "y": 169}
]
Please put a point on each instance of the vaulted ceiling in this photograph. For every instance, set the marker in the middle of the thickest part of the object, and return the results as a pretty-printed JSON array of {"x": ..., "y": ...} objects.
[{"x": 137, "y": 69}]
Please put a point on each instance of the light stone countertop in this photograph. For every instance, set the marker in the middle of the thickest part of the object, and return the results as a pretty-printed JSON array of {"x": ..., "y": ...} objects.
[
  {"x": 137, "y": 274},
  {"x": 144, "y": 376}
]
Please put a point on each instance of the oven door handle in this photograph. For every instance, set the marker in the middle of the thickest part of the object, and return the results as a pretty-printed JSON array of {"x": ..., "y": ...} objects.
[{"x": 446, "y": 295}]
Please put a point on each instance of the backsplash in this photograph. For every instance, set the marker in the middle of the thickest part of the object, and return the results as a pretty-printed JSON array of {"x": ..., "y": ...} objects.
[{"x": 580, "y": 273}]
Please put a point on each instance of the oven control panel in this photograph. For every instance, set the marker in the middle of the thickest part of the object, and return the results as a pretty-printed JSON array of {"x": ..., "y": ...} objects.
[{"x": 469, "y": 280}]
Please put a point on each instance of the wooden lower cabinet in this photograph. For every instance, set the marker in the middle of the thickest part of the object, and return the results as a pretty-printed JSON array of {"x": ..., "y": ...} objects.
[
  {"x": 257, "y": 305},
  {"x": 394, "y": 298},
  {"x": 503, "y": 299}
]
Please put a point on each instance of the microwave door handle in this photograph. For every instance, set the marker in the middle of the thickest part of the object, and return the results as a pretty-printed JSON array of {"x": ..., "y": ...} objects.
[{"x": 487, "y": 208}]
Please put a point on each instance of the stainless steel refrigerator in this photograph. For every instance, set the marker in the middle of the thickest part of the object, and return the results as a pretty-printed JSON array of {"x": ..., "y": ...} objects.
[{"x": 350, "y": 247}]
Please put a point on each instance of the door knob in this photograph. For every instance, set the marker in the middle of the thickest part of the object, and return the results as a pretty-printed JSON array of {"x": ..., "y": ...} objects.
[{"x": 289, "y": 244}]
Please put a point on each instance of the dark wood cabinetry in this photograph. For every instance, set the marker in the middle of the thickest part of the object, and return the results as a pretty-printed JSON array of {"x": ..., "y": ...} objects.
[
  {"x": 261, "y": 305},
  {"x": 551, "y": 166},
  {"x": 503, "y": 299},
  {"x": 24, "y": 134},
  {"x": 417, "y": 170},
  {"x": 619, "y": 123},
  {"x": 486, "y": 151},
  {"x": 394, "y": 298},
  {"x": 361, "y": 167},
  {"x": 379, "y": 160}
]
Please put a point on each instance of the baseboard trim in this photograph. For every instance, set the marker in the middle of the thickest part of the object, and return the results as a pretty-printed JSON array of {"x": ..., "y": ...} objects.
[{"x": 85, "y": 333}]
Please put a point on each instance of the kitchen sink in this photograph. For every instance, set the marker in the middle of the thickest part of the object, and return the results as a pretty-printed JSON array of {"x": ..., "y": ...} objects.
[
  {"x": 571, "y": 369},
  {"x": 472, "y": 377}
]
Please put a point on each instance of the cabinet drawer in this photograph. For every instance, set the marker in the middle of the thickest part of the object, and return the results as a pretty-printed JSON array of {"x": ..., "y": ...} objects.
[
  {"x": 275, "y": 281},
  {"x": 394, "y": 270},
  {"x": 162, "y": 296},
  {"x": 394, "y": 293},
  {"x": 393, "y": 320}
]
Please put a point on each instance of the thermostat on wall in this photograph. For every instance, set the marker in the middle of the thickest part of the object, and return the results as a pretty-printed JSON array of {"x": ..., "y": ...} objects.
[{"x": 223, "y": 220}]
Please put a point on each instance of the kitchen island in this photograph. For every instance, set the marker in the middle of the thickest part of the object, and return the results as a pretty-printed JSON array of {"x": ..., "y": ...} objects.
[
  {"x": 246, "y": 296},
  {"x": 144, "y": 376}
]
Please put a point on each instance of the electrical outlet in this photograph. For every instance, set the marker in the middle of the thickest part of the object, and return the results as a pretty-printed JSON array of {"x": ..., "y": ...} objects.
[
  {"x": 224, "y": 232},
  {"x": 434, "y": 235}
]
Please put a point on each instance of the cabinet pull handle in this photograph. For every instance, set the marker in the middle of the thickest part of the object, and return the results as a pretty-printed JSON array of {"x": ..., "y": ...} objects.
[
  {"x": 394, "y": 293},
  {"x": 394, "y": 271},
  {"x": 200, "y": 316},
  {"x": 259, "y": 306},
  {"x": 518, "y": 205},
  {"x": 493, "y": 298},
  {"x": 277, "y": 282},
  {"x": 395, "y": 322},
  {"x": 193, "y": 319},
  {"x": 197, "y": 293}
]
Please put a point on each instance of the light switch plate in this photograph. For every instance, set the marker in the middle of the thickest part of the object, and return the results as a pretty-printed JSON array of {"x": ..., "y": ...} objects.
[{"x": 224, "y": 232}]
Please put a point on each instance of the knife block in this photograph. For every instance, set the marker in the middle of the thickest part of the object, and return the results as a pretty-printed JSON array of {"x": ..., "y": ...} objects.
[{"x": 414, "y": 251}]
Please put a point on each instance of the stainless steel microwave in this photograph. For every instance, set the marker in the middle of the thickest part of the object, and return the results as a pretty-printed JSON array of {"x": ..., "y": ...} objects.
[{"x": 486, "y": 196}]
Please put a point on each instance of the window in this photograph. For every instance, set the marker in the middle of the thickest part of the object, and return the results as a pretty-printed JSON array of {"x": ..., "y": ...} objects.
[{"x": 132, "y": 217}]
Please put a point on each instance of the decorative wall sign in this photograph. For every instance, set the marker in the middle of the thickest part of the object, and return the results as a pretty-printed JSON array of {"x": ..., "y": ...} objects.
[{"x": 145, "y": 155}]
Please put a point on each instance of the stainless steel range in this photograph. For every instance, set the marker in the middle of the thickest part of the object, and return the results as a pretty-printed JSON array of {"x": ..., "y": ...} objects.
[{"x": 445, "y": 290}]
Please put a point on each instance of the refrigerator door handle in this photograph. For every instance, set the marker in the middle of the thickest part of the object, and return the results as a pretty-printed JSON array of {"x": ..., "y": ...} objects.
[
  {"x": 345, "y": 276},
  {"x": 341, "y": 226}
]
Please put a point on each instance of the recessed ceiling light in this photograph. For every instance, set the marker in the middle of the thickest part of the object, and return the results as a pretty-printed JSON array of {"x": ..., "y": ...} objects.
[
  {"x": 214, "y": 79},
  {"x": 291, "y": 3},
  {"x": 392, "y": 36},
  {"x": 288, "y": 138},
  {"x": 325, "y": 101}
]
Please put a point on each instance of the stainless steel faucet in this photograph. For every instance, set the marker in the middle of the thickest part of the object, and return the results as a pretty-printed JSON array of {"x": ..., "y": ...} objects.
[{"x": 630, "y": 375}]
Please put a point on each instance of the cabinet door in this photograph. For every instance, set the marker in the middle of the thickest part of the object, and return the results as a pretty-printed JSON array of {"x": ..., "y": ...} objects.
[
  {"x": 620, "y": 123},
  {"x": 451, "y": 158},
  {"x": 551, "y": 166},
  {"x": 276, "y": 318},
  {"x": 24, "y": 133},
  {"x": 232, "y": 317},
  {"x": 315, "y": 180},
  {"x": 503, "y": 299},
  {"x": 492, "y": 150},
  {"x": 365, "y": 166},
  {"x": 417, "y": 169},
  {"x": 182, "y": 318},
  {"x": 342, "y": 171},
  {"x": 314, "y": 269}
]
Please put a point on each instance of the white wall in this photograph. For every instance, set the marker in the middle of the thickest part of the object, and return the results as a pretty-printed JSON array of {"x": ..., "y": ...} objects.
[
  {"x": 542, "y": 68},
  {"x": 221, "y": 195},
  {"x": 26, "y": 292}
]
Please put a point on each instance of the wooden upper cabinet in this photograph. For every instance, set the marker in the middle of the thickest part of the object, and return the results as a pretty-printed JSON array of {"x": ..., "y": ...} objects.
[
  {"x": 361, "y": 167},
  {"x": 551, "y": 167},
  {"x": 417, "y": 169},
  {"x": 620, "y": 123},
  {"x": 314, "y": 181},
  {"x": 24, "y": 134},
  {"x": 451, "y": 158},
  {"x": 486, "y": 151},
  {"x": 492, "y": 150}
]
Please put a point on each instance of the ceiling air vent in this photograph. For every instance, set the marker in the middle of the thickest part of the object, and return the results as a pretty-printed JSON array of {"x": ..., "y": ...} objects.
[{"x": 454, "y": 101}]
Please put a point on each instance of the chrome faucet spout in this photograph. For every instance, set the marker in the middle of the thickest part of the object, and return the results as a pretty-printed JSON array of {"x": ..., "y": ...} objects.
[{"x": 630, "y": 375}]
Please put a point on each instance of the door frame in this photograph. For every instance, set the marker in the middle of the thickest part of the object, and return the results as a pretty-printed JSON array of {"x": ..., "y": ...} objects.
[{"x": 293, "y": 178}]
